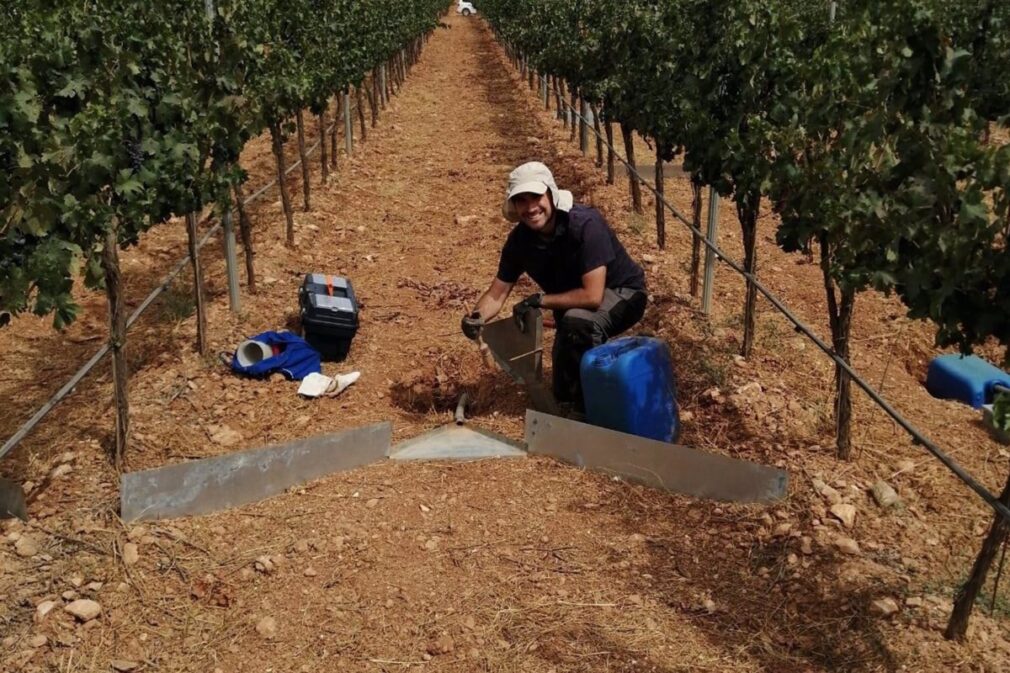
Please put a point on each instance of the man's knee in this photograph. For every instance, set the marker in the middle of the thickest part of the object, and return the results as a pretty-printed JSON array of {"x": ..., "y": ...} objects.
[{"x": 579, "y": 329}]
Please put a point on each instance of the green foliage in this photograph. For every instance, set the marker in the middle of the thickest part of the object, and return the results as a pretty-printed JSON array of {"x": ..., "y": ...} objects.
[
  {"x": 1001, "y": 411},
  {"x": 115, "y": 116},
  {"x": 863, "y": 132}
]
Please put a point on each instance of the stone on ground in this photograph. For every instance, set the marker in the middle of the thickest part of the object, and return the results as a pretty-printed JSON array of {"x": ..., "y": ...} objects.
[
  {"x": 84, "y": 609},
  {"x": 884, "y": 494}
]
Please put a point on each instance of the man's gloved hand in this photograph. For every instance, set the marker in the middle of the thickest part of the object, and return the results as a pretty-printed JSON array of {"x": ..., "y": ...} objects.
[
  {"x": 523, "y": 311},
  {"x": 472, "y": 324}
]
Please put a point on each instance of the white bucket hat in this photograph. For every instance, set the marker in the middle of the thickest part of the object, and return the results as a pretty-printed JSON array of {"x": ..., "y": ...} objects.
[{"x": 534, "y": 177}]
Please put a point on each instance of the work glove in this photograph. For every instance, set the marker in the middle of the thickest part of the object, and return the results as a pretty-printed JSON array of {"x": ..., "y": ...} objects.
[
  {"x": 471, "y": 325},
  {"x": 524, "y": 311}
]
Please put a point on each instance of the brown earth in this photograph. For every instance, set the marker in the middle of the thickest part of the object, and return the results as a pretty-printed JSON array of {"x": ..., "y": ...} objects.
[{"x": 522, "y": 565}]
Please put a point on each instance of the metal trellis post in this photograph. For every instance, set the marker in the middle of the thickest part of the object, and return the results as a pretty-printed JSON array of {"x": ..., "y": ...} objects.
[
  {"x": 231, "y": 263},
  {"x": 584, "y": 123},
  {"x": 348, "y": 125},
  {"x": 710, "y": 235}
]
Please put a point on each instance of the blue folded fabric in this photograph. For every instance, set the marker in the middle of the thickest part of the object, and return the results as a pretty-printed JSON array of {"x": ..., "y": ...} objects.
[{"x": 296, "y": 359}]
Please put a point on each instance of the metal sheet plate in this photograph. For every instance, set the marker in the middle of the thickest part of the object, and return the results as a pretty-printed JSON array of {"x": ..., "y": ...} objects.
[
  {"x": 212, "y": 484},
  {"x": 506, "y": 342},
  {"x": 453, "y": 442},
  {"x": 670, "y": 467},
  {"x": 12, "y": 500}
]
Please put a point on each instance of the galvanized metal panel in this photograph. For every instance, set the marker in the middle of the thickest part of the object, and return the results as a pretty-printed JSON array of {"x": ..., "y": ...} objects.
[
  {"x": 12, "y": 500},
  {"x": 521, "y": 357},
  {"x": 213, "y": 484},
  {"x": 517, "y": 352},
  {"x": 670, "y": 467},
  {"x": 452, "y": 442}
]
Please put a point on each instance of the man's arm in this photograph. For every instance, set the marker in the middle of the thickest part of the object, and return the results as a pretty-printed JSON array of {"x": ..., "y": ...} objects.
[
  {"x": 493, "y": 299},
  {"x": 589, "y": 296}
]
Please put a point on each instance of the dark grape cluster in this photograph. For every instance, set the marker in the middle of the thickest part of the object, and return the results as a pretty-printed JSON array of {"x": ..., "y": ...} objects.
[{"x": 135, "y": 153}]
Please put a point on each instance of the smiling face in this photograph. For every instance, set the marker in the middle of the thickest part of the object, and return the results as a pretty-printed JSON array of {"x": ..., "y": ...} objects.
[{"x": 535, "y": 211}]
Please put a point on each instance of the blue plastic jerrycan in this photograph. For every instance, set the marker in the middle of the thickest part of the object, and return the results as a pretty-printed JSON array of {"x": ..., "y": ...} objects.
[{"x": 628, "y": 385}]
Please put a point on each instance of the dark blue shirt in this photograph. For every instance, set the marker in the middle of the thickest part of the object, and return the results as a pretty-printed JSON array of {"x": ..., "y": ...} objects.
[{"x": 582, "y": 241}]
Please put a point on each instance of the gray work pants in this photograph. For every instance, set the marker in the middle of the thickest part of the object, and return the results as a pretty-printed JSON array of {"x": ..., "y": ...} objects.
[{"x": 580, "y": 329}]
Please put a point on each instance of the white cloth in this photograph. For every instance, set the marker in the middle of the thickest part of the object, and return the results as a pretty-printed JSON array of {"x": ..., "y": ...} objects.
[{"x": 317, "y": 385}]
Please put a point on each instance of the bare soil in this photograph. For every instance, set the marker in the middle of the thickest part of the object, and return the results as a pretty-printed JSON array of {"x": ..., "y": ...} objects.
[{"x": 514, "y": 565}]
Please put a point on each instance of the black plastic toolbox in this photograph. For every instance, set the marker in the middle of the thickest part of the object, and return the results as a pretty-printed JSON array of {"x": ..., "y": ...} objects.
[{"x": 329, "y": 312}]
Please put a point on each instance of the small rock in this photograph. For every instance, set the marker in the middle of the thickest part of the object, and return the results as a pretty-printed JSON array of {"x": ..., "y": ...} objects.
[
  {"x": 38, "y": 641},
  {"x": 709, "y": 605},
  {"x": 267, "y": 627},
  {"x": 465, "y": 220},
  {"x": 225, "y": 436},
  {"x": 782, "y": 529},
  {"x": 441, "y": 645},
  {"x": 806, "y": 545},
  {"x": 84, "y": 609},
  {"x": 914, "y": 601},
  {"x": 310, "y": 572},
  {"x": 424, "y": 508},
  {"x": 752, "y": 388},
  {"x": 713, "y": 394},
  {"x": 26, "y": 547},
  {"x": 884, "y": 494},
  {"x": 827, "y": 492},
  {"x": 67, "y": 457},
  {"x": 905, "y": 466},
  {"x": 61, "y": 470},
  {"x": 847, "y": 545},
  {"x": 884, "y": 607},
  {"x": 76, "y": 580},
  {"x": 265, "y": 565},
  {"x": 123, "y": 665},
  {"x": 69, "y": 595},
  {"x": 372, "y": 503},
  {"x": 431, "y": 545},
  {"x": 740, "y": 361},
  {"x": 301, "y": 546},
  {"x": 131, "y": 553},
  {"x": 649, "y": 258},
  {"x": 845, "y": 513},
  {"x": 20, "y": 660},
  {"x": 43, "y": 609}
]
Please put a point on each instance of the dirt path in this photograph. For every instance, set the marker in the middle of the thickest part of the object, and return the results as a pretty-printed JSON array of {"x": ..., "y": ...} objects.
[{"x": 519, "y": 565}]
